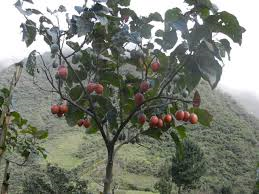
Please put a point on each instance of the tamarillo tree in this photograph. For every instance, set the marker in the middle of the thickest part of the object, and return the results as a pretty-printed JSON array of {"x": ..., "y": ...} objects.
[
  {"x": 125, "y": 75},
  {"x": 18, "y": 138}
]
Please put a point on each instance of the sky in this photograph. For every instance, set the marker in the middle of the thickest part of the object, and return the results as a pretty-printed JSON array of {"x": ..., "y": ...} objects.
[{"x": 241, "y": 73}]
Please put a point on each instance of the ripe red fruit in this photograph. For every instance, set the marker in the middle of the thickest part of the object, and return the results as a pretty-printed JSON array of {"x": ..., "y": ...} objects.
[
  {"x": 90, "y": 88},
  {"x": 55, "y": 109},
  {"x": 168, "y": 118},
  {"x": 155, "y": 66},
  {"x": 144, "y": 86},
  {"x": 87, "y": 123},
  {"x": 186, "y": 116},
  {"x": 153, "y": 121},
  {"x": 99, "y": 89},
  {"x": 62, "y": 72},
  {"x": 193, "y": 118},
  {"x": 139, "y": 99},
  {"x": 60, "y": 114},
  {"x": 160, "y": 123},
  {"x": 80, "y": 122},
  {"x": 142, "y": 119},
  {"x": 179, "y": 115},
  {"x": 63, "y": 108}
]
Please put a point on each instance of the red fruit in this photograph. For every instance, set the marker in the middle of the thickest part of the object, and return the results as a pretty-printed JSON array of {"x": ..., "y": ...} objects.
[
  {"x": 90, "y": 88},
  {"x": 139, "y": 99},
  {"x": 153, "y": 121},
  {"x": 87, "y": 123},
  {"x": 186, "y": 116},
  {"x": 160, "y": 123},
  {"x": 60, "y": 114},
  {"x": 55, "y": 109},
  {"x": 193, "y": 118},
  {"x": 63, "y": 108},
  {"x": 62, "y": 72},
  {"x": 155, "y": 66},
  {"x": 179, "y": 115},
  {"x": 80, "y": 122},
  {"x": 142, "y": 119},
  {"x": 168, "y": 118},
  {"x": 99, "y": 89},
  {"x": 144, "y": 86}
]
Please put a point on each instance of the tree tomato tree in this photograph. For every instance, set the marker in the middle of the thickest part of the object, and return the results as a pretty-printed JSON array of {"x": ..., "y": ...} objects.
[{"x": 120, "y": 50}]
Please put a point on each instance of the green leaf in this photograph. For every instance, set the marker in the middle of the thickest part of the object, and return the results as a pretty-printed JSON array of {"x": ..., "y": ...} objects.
[
  {"x": 29, "y": 32},
  {"x": 111, "y": 78},
  {"x": 76, "y": 92},
  {"x": 112, "y": 118},
  {"x": 175, "y": 19},
  {"x": 209, "y": 67},
  {"x": 41, "y": 134},
  {"x": 159, "y": 33},
  {"x": 34, "y": 11},
  {"x": 1, "y": 100},
  {"x": 93, "y": 128},
  {"x": 84, "y": 26},
  {"x": 31, "y": 63},
  {"x": 205, "y": 118},
  {"x": 74, "y": 115},
  {"x": 73, "y": 45},
  {"x": 181, "y": 130},
  {"x": 145, "y": 30},
  {"x": 178, "y": 143},
  {"x": 226, "y": 45},
  {"x": 155, "y": 17},
  {"x": 4, "y": 92},
  {"x": 227, "y": 24},
  {"x": 154, "y": 133}
]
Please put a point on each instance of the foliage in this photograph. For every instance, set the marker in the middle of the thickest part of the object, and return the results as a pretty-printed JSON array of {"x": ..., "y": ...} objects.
[
  {"x": 108, "y": 30},
  {"x": 187, "y": 171},
  {"x": 54, "y": 180}
]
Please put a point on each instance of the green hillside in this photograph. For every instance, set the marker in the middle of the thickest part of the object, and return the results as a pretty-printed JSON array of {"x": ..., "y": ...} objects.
[{"x": 230, "y": 146}]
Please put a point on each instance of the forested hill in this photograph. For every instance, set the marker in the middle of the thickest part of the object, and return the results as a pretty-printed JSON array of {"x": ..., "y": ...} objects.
[{"x": 230, "y": 145}]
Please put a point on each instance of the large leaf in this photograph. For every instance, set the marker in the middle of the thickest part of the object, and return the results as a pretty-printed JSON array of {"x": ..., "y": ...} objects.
[
  {"x": 29, "y": 32},
  {"x": 178, "y": 143},
  {"x": 154, "y": 133},
  {"x": 155, "y": 17},
  {"x": 111, "y": 78},
  {"x": 226, "y": 44},
  {"x": 181, "y": 130},
  {"x": 205, "y": 118},
  {"x": 74, "y": 115},
  {"x": 175, "y": 19},
  {"x": 209, "y": 67},
  {"x": 227, "y": 24},
  {"x": 84, "y": 26},
  {"x": 76, "y": 92},
  {"x": 31, "y": 63}
]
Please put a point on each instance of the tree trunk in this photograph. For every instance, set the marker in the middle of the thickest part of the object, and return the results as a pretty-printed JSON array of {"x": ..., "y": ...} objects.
[
  {"x": 109, "y": 168},
  {"x": 179, "y": 190},
  {"x": 5, "y": 184}
]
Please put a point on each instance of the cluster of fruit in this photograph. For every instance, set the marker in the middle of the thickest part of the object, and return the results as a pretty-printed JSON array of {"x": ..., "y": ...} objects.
[
  {"x": 186, "y": 117},
  {"x": 155, "y": 121},
  {"x": 59, "y": 110},
  {"x": 144, "y": 86},
  {"x": 95, "y": 87},
  {"x": 84, "y": 122}
]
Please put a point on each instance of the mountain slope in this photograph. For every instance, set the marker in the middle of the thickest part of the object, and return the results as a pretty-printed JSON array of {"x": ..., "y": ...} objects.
[{"x": 230, "y": 144}]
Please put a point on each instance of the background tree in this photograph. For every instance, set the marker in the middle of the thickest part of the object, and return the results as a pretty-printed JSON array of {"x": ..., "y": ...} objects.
[
  {"x": 122, "y": 74},
  {"x": 188, "y": 169},
  {"x": 18, "y": 139}
]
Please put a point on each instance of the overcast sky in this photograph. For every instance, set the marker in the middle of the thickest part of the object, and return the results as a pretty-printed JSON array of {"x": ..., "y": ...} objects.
[{"x": 241, "y": 73}]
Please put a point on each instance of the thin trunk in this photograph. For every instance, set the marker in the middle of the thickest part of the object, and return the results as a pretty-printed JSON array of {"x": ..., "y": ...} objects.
[
  {"x": 5, "y": 183},
  {"x": 179, "y": 190},
  {"x": 109, "y": 168}
]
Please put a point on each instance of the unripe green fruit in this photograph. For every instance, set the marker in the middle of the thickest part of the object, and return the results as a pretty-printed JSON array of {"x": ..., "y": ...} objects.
[
  {"x": 76, "y": 58},
  {"x": 54, "y": 48},
  {"x": 185, "y": 93}
]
